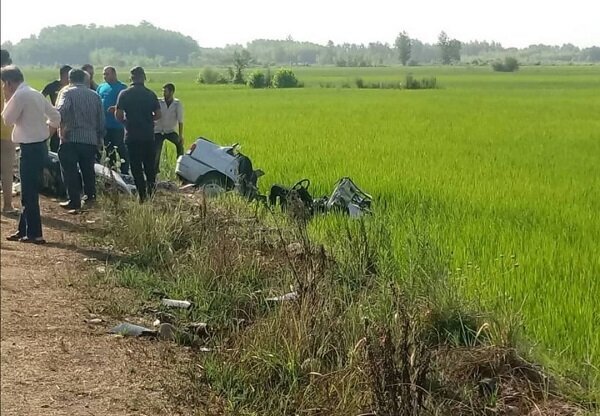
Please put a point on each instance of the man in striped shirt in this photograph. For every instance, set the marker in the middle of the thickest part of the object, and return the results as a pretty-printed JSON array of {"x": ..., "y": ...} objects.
[{"x": 81, "y": 133}]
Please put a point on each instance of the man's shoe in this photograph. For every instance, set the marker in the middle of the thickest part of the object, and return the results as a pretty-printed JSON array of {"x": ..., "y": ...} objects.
[
  {"x": 14, "y": 237},
  {"x": 89, "y": 202},
  {"x": 68, "y": 205}
]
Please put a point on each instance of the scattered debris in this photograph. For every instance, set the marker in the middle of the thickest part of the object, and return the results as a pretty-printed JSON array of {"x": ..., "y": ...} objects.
[
  {"x": 131, "y": 330},
  {"x": 295, "y": 249},
  {"x": 346, "y": 198},
  {"x": 94, "y": 321},
  {"x": 167, "y": 332},
  {"x": 156, "y": 323},
  {"x": 174, "y": 303},
  {"x": 283, "y": 298},
  {"x": 101, "y": 269},
  {"x": 198, "y": 328}
]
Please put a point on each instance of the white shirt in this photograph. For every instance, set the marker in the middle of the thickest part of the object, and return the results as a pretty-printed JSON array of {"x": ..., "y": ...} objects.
[
  {"x": 170, "y": 116},
  {"x": 30, "y": 114}
]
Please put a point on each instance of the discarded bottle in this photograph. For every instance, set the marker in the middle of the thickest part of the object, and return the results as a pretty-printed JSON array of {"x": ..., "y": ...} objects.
[{"x": 174, "y": 303}]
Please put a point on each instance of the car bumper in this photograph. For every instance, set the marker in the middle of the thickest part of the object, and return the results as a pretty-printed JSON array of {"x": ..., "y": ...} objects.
[{"x": 186, "y": 168}]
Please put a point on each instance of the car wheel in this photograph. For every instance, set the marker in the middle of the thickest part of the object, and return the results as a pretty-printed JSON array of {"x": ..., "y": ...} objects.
[{"x": 213, "y": 183}]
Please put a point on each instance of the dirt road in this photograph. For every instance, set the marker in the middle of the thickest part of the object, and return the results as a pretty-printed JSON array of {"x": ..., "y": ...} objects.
[{"x": 53, "y": 362}]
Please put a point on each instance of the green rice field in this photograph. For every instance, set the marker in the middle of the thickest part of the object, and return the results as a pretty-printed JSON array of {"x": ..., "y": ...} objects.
[{"x": 501, "y": 171}]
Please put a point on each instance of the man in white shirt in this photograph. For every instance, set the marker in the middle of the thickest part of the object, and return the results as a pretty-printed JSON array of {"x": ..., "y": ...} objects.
[
  {"x": 31, "y": 114},
  {"x": 170, "y": 125}
]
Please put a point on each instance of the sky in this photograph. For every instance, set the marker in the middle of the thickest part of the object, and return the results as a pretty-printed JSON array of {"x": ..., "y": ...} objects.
[{"x": 214, "y": 23}]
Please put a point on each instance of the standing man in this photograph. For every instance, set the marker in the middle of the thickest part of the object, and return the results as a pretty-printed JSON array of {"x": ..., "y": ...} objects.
[
  {"x": 81, "y": 133},
  {"x": 89, "y": 68},
  {"x": 115, "y": 132},
  {"x": 30, "y": 114},
  {"x": 7, "y": 151},
  {"x": 138, "y": 108},
  {"x": 170, "y": 125},
  {"x": 51, "y": 90}
]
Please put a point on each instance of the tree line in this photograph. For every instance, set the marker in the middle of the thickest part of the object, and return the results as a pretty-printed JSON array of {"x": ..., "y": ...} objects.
[{"x": 145, "y": 44}]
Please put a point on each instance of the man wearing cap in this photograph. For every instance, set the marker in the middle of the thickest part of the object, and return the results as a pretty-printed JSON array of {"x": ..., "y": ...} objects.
[
  {"x": 51, "y": 90},
  {"x": 30, "y": 114},
  {"x": 81, "y": 133},
  {"x": 170, "y": 125},
  {"x": 115, "y": 133},
  {"x": 138, "y": 108}
]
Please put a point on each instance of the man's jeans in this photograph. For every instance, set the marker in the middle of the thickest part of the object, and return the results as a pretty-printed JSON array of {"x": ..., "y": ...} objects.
[
  {"x": 73, "y": 158},
  {"x": 142, "y": 156},
  {"x": 159, "y": 139},
  {"x": 31, "y": 165}
]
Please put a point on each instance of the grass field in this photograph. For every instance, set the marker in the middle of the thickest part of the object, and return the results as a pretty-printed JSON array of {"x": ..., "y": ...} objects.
[{"x": 501, "y": 172}]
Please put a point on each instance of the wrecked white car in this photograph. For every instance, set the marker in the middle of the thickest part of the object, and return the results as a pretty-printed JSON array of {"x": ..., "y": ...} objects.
[{"x": 217, "y": 169}]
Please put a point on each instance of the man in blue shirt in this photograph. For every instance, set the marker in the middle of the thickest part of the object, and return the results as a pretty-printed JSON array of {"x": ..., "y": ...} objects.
[{"x": 113, "y": 140}]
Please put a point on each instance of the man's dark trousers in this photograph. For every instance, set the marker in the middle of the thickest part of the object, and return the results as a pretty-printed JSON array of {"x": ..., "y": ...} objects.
[
  {"x": 54, "y": 143},
  {"x": 142, "y": 157},
  {"x": 159, "y": 139},
  {"x": 73, "y": 158},
  {"x": 114, "y": 143},
  {"x": 31, "y": 164}
]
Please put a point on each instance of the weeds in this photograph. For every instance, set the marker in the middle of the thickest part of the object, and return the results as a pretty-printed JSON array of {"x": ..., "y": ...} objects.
[{"x": 366, "y": 334}]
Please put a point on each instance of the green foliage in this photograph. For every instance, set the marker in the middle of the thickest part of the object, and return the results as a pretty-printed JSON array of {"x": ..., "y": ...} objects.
[
  {"x": 449, "y": 49},
  {"x": 257, "y": 79},
  {"x": 285, "y": 78},
  {"x": 360, "y": 83},
  {"x": 510, "y": 64},
  {"x": 121, "y": 43},
  {"x": 492, "y": 166},
  {"x": 241, "y": 60},
  {"x": 403, "y": 45},
  {"x": 411, "y": 83},
  {"x": 211, "y": 76}
]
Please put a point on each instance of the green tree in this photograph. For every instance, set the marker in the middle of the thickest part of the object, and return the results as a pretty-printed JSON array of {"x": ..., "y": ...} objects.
[
  {"x": 403, "y": 45},
  {"x": 241, "y": 60},
  {"x": 449, "y": 48}
]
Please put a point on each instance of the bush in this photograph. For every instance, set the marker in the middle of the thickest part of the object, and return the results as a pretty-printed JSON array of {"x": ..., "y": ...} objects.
[
  {"x": 360, "y": 83},
  {"x": 257, "y": 79},
  {"x": 425, "y": 83},
  {"x": 211, "y": 76},
  {"x": 509, "y": 65},
  {"x": 285, "y": 78}
]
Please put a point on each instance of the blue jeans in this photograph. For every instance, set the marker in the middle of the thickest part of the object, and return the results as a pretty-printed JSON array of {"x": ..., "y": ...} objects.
[
  {"x": 77, "y": 164},
  {"x": 31, "y": 165}
]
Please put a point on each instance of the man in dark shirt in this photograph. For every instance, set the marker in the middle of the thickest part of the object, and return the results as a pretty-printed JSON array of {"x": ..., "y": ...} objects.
[
  {"x": 89, "y": 68},
  {"x": 51, "y": 90},
  {"x": 137, "y": 107}
]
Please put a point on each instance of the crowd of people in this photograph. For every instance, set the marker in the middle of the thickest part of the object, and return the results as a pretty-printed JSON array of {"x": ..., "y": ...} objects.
[{"x": 84, "y": 123}]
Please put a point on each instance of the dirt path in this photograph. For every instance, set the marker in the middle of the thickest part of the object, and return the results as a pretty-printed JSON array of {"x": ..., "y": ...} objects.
[{"x": 53, "y": 362}]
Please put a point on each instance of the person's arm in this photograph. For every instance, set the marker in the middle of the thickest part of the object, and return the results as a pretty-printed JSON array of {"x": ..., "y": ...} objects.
[
  {"x": 157, "y": 113},
  {"x": 12, "y": 110},
  {"x": 63, "y": 104},
  {"x": 180, "y": 120},
  {"x": 101, "y": 120},
  {"x": 118, "y": 109},
  {"x": 53, "y": 116}
]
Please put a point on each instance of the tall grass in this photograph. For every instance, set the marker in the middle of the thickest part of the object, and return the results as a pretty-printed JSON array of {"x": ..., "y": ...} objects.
[{"x": 502, "y": 172}]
